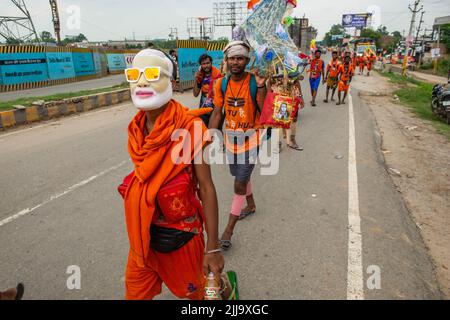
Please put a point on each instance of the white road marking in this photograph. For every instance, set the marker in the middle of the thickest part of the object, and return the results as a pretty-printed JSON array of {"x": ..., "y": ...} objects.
[
  {"x": 59, "y": 195},
  {"x": 70, "y": 117},
  {"x": 355, "y": 277}
]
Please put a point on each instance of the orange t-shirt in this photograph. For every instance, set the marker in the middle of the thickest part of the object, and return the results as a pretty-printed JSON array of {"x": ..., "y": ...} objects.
[
  {"x": 238, "y": 104},
  {"x": 333, "y": 68},
  {"x": 240, "y": 113},
  {"x": 346, "y": 74}
]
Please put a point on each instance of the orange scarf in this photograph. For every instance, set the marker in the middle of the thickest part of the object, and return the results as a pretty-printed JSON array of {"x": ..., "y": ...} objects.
[{"x": 152, "y": 157}]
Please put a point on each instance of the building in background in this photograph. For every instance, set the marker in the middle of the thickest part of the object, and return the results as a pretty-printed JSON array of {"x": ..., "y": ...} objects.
[{"x": 302, "y": 33}]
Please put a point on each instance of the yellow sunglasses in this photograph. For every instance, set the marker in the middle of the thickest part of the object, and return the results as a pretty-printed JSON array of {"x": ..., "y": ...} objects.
[{"x": 151, "y": 74}]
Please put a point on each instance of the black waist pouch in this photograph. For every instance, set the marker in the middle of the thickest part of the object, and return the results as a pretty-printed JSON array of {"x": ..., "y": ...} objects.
[{"x": 165, "y": 240}]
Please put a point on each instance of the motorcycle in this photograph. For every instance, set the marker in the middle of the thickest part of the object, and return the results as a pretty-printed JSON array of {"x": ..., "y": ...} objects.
[{"x": 440, "y": 103}]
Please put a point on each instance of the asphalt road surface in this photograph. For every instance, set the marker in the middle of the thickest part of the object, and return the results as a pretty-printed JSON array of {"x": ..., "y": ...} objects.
[
  {"x": 105, "y": 82},
  {"x": 329, "y": 225}
]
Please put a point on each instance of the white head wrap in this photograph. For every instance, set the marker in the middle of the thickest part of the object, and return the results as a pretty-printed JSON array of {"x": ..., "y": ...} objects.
[
  {"x": 236, "y": 49},
  {"x": 156, "y": 53}
]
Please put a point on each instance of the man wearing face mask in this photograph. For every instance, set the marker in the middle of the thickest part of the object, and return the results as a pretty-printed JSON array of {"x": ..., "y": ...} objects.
[{"x": 164, "y": 215}]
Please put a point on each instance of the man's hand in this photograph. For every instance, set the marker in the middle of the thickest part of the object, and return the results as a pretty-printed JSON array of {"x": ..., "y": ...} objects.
[
  {"x": 214, "y": 263},
  {"x": 199, "y": 77},
  {"x": 260, "y": 81}
]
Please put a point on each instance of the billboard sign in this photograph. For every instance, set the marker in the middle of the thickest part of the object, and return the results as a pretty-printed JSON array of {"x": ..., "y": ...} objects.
[
  {"x": 60, "y": 65},
  {"x": 355, "y": 20},
  {"x": 17, "y": 68}
]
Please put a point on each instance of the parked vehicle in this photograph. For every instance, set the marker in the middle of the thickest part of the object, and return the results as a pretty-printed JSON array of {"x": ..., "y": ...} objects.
[{"x": 440, "y": 103}]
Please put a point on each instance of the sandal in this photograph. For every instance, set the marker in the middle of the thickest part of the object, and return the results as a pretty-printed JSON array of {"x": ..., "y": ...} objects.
[
  {"x": 246, "y": 214},
  {"x": 230, "y": 279},
  {"x": 226, "y": 244},
  {"x": 294, "y": 145}
]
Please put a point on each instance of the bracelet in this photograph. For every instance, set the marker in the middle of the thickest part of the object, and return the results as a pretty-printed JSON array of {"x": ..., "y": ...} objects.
[
  {"x": 262, "y": 87},
  {"x": 213, "y": 251}
]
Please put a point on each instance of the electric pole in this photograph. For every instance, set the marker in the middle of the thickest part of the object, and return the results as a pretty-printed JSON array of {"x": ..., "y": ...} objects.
[
  {"x": 410, "y": 39},
  {"x": 417, "y": 37}
]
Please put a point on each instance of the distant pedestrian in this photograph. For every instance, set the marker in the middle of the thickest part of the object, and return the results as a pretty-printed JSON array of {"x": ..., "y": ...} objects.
[
  {"x": 205, "y": 77},
  {"x": 331, "y": 77},
  {"x": 317, "y": 71},
  {"x": 346, "y": 74}
]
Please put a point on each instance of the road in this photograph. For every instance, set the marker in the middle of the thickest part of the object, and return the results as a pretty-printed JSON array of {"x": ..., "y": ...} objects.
[
  {"x": 105, "y": 82},
  {"x": 58, "y": 184}
]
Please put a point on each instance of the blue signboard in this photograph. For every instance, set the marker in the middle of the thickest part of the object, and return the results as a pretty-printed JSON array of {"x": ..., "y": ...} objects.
[
  {"x": 83, "y": 63},
  {"x": 97, "y": 62},
  {"x": 116, "y": 61},
  {"x": 16, "y": 68},
  {"x": 60, "y": 65},
  {"x": 217, "y": 56},
  {"x": 355, "y": 20},
  {"x": 188, "y": 62}
]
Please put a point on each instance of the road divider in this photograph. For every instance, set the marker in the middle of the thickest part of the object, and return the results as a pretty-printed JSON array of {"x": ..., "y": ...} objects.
[{"x": 49, "y": 110}]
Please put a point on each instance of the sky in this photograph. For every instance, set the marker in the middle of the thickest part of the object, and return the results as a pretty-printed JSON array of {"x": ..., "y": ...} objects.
[{"x": 102, "y": 20}]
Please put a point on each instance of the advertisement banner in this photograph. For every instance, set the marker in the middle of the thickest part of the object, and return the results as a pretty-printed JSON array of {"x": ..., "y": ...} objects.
[
  {"x": 217, "y": 56},
  {"x": 17, "y": 68},
  {"x": 60, "y": 65},
  {"x": 355, "y": 20},
  {"x": 188, "y": 62},
  {"x": 129, "y": 57},
  {"x": 83, "y": 63},
  {"x": 116, "y": 61},
  {"x": 97, "y": 62}
]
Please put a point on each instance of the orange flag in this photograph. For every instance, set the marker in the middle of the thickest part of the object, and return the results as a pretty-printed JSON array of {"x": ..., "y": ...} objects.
[{"x": 252, "y": 3}]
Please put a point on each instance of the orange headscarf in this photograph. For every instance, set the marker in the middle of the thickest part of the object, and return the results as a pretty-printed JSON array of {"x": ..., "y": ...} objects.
[{"x": 152, "y": 157}]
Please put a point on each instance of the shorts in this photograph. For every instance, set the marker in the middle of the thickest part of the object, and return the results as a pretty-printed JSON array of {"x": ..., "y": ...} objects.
[
  {"x": 332, "y": 82},
  {"x": 315, "y": 83},
  {"x": 343, "y": 87},
  {"x": 242, "y": 165}
]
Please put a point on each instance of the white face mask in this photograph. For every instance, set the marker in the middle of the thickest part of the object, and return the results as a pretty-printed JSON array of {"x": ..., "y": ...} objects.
[{"x": 147, "y": 99}]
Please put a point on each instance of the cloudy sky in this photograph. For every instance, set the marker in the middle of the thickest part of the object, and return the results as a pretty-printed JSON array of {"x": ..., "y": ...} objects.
[{"x": 148, "y": 19}]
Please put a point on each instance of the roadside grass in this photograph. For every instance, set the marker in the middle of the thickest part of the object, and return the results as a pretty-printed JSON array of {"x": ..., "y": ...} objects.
[
  {"x": 8, "y": 105},
  {"x": 417, "y": 96}
]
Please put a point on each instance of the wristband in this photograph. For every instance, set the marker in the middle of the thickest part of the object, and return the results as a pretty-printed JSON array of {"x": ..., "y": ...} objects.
[
  {"x": 213, "y": 251},
  {"x": 262, "y": 87}
]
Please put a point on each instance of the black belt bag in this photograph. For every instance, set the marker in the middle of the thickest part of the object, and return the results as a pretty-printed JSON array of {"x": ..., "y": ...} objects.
[{"x": 165, "y": 240}]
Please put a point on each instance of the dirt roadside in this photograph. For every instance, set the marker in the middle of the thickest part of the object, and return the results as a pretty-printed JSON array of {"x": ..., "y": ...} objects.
[{"x": 418, "y": 159}]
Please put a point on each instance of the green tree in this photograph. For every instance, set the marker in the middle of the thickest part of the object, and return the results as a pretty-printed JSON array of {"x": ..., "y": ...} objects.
[
  {"x": 47, "y": 37},
  {"x": 79, "y": 38},
  {"x": 13, "y": 41},
  {"x": 336, "y": 29},
  {"x": 445, "y": 36},
  {"x": 372, "y": 34},
  {"x": 383, "y": 30},
  {"x": 223, "y": 39}
]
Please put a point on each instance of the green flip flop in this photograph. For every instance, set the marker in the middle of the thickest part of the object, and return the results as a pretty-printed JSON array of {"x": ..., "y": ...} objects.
[{"x": 232, "y": 279}]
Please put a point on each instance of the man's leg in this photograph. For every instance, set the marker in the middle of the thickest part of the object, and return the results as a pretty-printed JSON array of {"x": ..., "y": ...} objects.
[
  {"x": 240, "y": 194},
  {"x": 182, "y": 270},
  {"x": 327, "y": 94},
  {"x": 251, "y": 205},
  {"x": 345, "y": 96},
  {"x": 332, "y": 95},
  {"x": 314, "y": 95},
  {"x": 339, "y": 96},
  {"x": 292, "y": 143},
  {"x": 141, "y": 283}
]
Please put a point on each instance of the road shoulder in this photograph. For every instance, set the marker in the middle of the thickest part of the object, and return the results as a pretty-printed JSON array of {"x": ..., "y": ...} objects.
[{"x": 418, "y": 160}]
